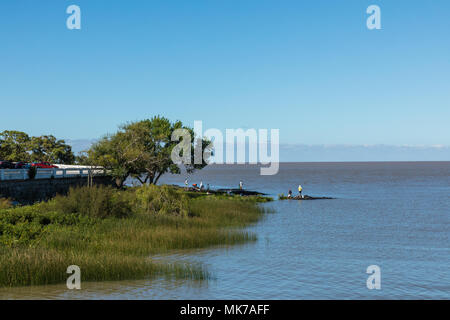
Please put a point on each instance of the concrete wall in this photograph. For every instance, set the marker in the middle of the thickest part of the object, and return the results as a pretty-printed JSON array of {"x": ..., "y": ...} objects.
[{"x": 29, "y": 191}]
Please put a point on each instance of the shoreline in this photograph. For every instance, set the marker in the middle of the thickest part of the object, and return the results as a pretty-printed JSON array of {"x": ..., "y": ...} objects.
[{"x": 108, "y": 248}]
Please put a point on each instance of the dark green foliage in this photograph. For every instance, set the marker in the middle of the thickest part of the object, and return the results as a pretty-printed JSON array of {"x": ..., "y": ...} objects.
[
  {"x": 25, "y": 225},
  {"x": 161, "y": 200},
  {"x": 19, "y": 146},
  {"x": 50, "y": 149},
  {"x": 97, "y": 201},
  {"x": 143, "y": 150},
  {"x": 14, "y": 146}
]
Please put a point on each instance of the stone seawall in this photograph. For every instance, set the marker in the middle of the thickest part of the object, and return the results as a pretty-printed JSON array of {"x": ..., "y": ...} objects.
[{"x": 30, "y": 191}]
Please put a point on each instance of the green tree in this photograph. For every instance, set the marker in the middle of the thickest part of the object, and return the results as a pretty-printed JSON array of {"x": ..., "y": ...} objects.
[
  {"x": 14, "y": 146},
  {"x": 19, "y": 146},
  {"x": 50, "y": 149},
  {"x": 143, "y": 150},
  {"x": 108, "y": 152}
]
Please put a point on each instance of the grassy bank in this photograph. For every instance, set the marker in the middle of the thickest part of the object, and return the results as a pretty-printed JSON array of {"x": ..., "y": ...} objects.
[{"x": 112, "y": 234}]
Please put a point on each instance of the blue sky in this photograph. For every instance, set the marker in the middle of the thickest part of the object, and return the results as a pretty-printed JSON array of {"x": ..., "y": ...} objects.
[{"x": 310, "y": 68}]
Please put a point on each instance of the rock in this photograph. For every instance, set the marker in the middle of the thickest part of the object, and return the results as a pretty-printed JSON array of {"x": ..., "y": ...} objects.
[
  {"x": 240, "y": 192},
  {"x": 306, "y": 197}
]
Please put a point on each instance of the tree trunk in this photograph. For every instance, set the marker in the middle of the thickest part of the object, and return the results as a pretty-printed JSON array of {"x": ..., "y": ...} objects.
[
  {"x": 119, "y": 182},
  {"x": 140, "y": 180},
  {"x": 157, "y": 177}
]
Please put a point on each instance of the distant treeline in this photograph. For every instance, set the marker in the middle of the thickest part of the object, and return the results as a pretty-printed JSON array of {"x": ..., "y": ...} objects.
[{"x": 18, "y": 146}]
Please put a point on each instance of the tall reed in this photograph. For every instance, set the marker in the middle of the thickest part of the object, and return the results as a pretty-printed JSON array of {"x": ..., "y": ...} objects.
[{"x": 39, "y": 242}]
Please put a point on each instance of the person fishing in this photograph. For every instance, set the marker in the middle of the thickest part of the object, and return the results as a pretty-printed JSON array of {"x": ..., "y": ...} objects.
[
  {"x": 290, "y": 194},
  {"x": 300, "y": 190}
]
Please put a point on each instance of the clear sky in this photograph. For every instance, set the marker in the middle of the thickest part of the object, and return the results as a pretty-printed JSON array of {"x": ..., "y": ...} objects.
[{"x": 310, "y": 68}]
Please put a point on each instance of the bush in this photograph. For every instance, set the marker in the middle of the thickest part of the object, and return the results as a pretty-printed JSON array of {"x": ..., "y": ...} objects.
[
  {"x": 162, "y": 200},
  {"x": 24, "y": 225},
  {"x": 5, "y": 203},
  {"x": 96, "y": 201}
]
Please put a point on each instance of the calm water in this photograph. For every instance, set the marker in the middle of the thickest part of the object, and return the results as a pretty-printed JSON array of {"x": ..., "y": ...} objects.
[{"x": 394, "y": 215}]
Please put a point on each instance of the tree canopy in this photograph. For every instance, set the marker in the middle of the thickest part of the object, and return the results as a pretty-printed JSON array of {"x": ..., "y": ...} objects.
[
  {"x": 19, "y": 146},
  {"x": 143, "y": 150},
  {"x": 14, "y": 146}
]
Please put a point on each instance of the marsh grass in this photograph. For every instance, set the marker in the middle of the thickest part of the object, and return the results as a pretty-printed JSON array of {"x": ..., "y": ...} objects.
[
  {"x": 38, "y": 266},
  {"x": 97, "y": 201},
  {"x": 39, "y": 242}
]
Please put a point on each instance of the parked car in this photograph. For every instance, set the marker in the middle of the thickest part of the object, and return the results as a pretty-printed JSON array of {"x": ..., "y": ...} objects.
[
  {"x": 43, "y": 165},
  {"x": 6, "y": 165},
  {"x": 21, "y": 165}
]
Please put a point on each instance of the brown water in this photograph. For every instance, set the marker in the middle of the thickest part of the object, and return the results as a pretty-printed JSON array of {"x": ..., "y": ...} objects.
[{"x": 394, "y": 215}]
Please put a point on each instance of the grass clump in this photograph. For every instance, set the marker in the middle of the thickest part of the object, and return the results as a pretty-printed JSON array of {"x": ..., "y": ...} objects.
[
  {"x": 161, "y": 200},
  {"x": 26, "y": 225},
  {"x": 97, "y": 201},
  {"x": 111, "y": 234}
]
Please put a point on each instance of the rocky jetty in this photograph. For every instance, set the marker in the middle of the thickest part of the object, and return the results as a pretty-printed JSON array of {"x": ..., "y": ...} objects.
[
  {"x": 241, "y": 192},
  {"x": 305, "y": 197},
  {"x": 236, "y": 191}
]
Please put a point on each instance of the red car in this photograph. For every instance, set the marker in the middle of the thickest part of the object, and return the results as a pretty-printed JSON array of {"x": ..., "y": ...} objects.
[{"x": 43, "y": 165}]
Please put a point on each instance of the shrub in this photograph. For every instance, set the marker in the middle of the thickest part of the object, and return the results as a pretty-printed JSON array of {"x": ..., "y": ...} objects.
[
  {"x": 96, "y": 201},
  {"x": 5, "y": 203},
  {"x": 162, "y": 200},
  {"x": 24, "y": 225}
]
